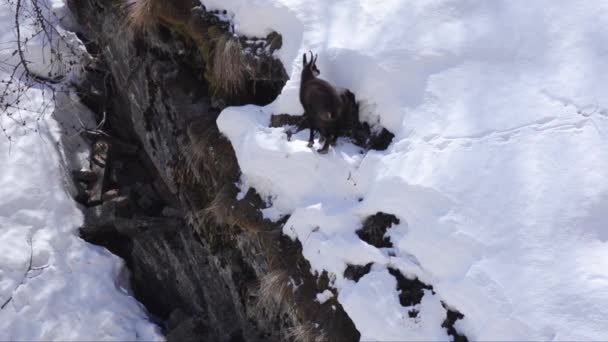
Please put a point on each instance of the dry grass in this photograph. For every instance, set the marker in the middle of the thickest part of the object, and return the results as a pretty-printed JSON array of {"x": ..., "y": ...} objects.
[
  {"x": 182, "y": 172},
  {"x": 221, "y": 208},
  {"x": 142, "y": 14},
  {"x": 192, "y": 164},
  {"x": 211, "y": 155},
  {"x": 274, "y": 291},
  {"x": 196, "y": 156},
  {"x": 229, "y": 65},
  {"x": 307, "y": 332},
  {"x": 225, "y": 209}
]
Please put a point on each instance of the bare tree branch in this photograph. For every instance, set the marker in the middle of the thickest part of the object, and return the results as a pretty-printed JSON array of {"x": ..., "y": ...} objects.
[
  {"x": 27, "y": 271},
  {"x": 58, "y": 56}
]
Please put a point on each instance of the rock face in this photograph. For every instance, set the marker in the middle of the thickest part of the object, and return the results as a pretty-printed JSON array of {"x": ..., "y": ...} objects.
[{"x": 208, "y": 266}]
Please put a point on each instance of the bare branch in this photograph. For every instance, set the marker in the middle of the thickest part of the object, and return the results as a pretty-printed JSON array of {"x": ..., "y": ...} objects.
[{"x": 27, "y": 271}]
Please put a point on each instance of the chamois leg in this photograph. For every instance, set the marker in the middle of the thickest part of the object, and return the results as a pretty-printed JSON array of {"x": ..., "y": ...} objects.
[
  {"x": 325, "y": 147},
  {"x": 299, "y": 127},
  {"x": 334, "y": 140},
  {"x": 311, "y": 139}
]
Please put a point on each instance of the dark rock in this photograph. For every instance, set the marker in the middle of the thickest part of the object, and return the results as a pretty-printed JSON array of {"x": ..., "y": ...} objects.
[
  {"x": 108, "y": 237},
  {"x": 146, "y": 190},
  {"x": 173, "y": 212},
  {"x": 374, "y": 229},
  {"x": 99, "y": 158},
  {"x": 106, "y": 213},
  {"x": 136, "y": 225},
  {"x": 413, "y": 313},
  {"x": 81, "y": 195},
  {"x": 122, "y": 147},
  {"x": 115, "y": 172},
  {"x": 84, "y": 176},
  {"x": 186, "y": 329},
  {"x": 448, "y": 323},
  {"x": 101, "y": 215},
  {"x": 110, "y": 195},
  {"x": 281, "y": 120},
  {"x": 275, "y": 41},
  {"x": 356, "y": 272},
  {"x": 91, "y": 233},
  {"x": 146, "y": 203},
  {"x": 410, "y": 290}
]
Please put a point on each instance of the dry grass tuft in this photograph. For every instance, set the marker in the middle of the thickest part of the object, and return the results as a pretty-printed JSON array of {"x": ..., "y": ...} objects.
[
  {"x": 225, "y": 209},
  {"x": 210, "y": 155},
  {"x": 221, "y": 208},
  {"x": 192, "y": 163},
  {"x": 183, "y": 172},
  {"x": 274, "y": 291},
  {"x": 141, "y": 14},
  {"x": 307, "y": 332},
  {"x": 229, "y": 65}
]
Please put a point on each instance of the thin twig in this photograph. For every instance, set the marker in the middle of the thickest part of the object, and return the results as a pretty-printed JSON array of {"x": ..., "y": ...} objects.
[{"x": 27, "y": 271}]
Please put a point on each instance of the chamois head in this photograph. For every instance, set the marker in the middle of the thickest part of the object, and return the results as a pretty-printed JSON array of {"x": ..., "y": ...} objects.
[{"x": 309, "y": 68}]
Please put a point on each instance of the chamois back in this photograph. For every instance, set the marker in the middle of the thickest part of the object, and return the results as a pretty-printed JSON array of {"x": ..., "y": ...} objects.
[{"x": 320, "y": 97}]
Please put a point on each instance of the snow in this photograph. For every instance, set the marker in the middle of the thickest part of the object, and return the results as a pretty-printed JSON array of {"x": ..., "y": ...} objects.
[
  {"x": 53, "y": 285},
  {"x": 388, "y": 313},
  {"x": 497, "y": 170},
  {"x": 324, "y": 296}
]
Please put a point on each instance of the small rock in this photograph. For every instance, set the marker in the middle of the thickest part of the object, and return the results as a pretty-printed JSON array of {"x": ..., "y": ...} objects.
[
  {"x": 146, "y": 190},
  {"x": 172, "y": 212},
  {"x": 85, "y": 176},
  {"x": 146, "y": 202},
  {"x": 81, "y": 195},
  {"x": 124, "y": 147},
  {"x": 136, "y": 225},
  {"x": 106, "y": 213},
  {"x": 109, "y": 195},
  {"x": 356, "y": 272},
  {"x": 374, "y": 229}
]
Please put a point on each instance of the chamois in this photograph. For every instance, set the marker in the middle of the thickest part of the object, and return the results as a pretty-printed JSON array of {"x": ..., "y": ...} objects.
[{"x": 322, "y": 104}]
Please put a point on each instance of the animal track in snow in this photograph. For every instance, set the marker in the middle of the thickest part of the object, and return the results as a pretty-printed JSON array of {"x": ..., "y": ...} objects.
[
  {"x": 584, "y": 110},
  {"x": 548, "y": 124}
]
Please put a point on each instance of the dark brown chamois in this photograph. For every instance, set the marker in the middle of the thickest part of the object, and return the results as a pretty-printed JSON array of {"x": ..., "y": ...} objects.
[{"x": 322, "y": 104}]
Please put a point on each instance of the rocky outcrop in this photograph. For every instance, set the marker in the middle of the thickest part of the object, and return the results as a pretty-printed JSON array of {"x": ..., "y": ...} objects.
[{"x": 208, "y": 266}]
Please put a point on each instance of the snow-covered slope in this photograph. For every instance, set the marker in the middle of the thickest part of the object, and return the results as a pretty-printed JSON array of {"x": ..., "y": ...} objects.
[
  {"x": 497, "y": 171},
  {"x": 53, "y": 285}
]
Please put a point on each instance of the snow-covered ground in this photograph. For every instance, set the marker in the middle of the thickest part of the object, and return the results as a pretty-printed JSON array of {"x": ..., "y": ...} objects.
[
  {"x": 498, "y": 171},
  {"x": 53, "y": 285}
]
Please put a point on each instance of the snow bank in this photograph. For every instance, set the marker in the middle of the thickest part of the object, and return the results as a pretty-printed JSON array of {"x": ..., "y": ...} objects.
[
  {"x": 497, "y": 171},
  {"x": 53, "y": 285}
]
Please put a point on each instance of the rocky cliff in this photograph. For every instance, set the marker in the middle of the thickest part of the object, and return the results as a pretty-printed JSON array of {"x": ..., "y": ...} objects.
[{"x": 161, "y": 192}]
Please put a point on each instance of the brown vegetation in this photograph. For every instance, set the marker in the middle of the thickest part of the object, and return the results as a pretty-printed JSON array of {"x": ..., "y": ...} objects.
[
  {"x": 229, "y": 65},
  {"x": 141, "y": 14}
]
